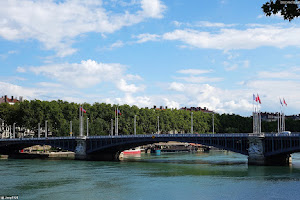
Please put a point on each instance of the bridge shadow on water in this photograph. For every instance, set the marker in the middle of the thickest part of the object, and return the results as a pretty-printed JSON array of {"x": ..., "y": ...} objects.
[{"x": 216, "y": 164}]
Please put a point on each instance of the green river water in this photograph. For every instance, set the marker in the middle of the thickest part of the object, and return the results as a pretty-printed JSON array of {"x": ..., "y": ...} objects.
[{"x": 213, "y": 175}]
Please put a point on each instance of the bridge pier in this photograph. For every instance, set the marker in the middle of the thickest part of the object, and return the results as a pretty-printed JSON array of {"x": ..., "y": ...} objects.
[
  {"x": 80, "y": 150},
  {"x": 81, "y": 154},
  {"x": 256, "y": 154}
]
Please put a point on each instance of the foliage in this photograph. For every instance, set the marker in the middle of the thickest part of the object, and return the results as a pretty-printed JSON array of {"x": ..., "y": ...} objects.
[
  {"x": 59, "y": 113},
  {"x": 288, "y": 9}
]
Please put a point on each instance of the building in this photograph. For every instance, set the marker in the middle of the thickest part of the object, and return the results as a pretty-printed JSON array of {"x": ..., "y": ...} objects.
[
  {"x": 12, "y": 100},
  {"x": 204, "y": 109},
  {"x": 4, "y": 129},
  {"x": 272, "y": 117},
  {"x": 196, "y": 109},
  {"x": 269, "y": 117},
  {"x": 293, "y": 117},
  {"x": 160, "y": 108}
]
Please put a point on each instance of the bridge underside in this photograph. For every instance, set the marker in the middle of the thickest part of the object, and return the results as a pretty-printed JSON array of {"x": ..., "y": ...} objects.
[
  {"x": 14, "y": 146},
  {"x": 110, "y": 148}
]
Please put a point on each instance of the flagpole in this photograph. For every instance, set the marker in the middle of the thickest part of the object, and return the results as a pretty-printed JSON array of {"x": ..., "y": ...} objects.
[
  {"x": 280, "y": 118},
  {"x": 259, "y": 122},
  {"x": 112, "y": 127},
  {"x": 115, "y": 121},
  {"x": 80, "y": 122},
  {"x": 257, "y": 114},
  {"x": 253, "y": 112},
  {"x": 278, "y": 122}
]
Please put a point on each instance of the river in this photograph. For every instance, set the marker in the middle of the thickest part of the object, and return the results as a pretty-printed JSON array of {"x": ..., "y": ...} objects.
[{"x": 213, "y": 175}]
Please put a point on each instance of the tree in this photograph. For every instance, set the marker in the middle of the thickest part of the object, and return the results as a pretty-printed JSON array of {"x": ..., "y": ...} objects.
[{"x": 288, "y": 9}]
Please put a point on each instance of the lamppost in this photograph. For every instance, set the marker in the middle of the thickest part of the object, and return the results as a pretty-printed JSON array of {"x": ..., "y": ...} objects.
[
  {"x": 213, "y": 122},
  {"x": 39, "y": 130},
  {"x": 46, "y": 130},
  {"x": 192, "y": 129},
  {"x": 111, "y": 128},
  {"x": 87, "y": 126},
  {"x": 71, "y": 133},
  {"x": 10, "y": 131},
  {"x": 14, "y": 130},
  {"x": 134, "y": 124},
  {"x": 157, "y": 124}
]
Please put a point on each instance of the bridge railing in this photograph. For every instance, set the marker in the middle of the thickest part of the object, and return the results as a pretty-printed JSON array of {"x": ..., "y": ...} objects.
[{"x": 295, "y": 134}]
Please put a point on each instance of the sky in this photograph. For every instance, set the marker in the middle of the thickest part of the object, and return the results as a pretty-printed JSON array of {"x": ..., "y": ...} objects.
[{"x": 174, "y": 53}]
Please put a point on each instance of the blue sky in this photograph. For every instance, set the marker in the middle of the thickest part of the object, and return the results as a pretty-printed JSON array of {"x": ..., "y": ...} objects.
[{"x": 177, "y": 53}]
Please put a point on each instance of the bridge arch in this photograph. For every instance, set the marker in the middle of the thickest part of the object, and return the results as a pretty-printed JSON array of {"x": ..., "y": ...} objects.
[
  {"x": 110, "y": 148},
  {"x": 13, "y": 146}
]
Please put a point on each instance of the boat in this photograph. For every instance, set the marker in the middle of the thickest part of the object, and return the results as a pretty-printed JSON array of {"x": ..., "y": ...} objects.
[{"x": 132, "y": 151}]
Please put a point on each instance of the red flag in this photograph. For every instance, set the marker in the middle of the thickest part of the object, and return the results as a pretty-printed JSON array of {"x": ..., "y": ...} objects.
[
  {"x": 82, "y": 109},
  {"x": 258, "y": 99},
  {"x": 118, "y": 112},
  {"x": 284, "y": 102}
]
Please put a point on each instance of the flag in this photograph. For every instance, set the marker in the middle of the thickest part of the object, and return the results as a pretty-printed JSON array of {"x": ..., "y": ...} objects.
[
  {"x": 258, "y": 99},
  {"x": 118, "y": 112},
  {"x": 81, "y": 108},
  {"x": 284, "y": 102},
  {"x": 254, "y": 98},
  {"x": 281, "y": 102}
]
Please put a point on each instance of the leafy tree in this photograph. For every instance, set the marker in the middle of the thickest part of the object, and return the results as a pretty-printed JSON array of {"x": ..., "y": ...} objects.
[
  {"x": 59, "y": 113},
  {"x": 288, "y": 9}
]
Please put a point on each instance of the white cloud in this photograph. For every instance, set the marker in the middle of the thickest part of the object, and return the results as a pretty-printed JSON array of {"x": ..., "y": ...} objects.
[
  {"x": 49, "y": 85},
  {"x": 270, "y": 85},
  {"x": 203, "y": 24},
  {"x": 145, "y": 37},
  {"x": 212, "y": 24},
  {"x": 291, "y": 73},
  {"x": 117, "y": 44},
  {"x": 82, "y": 75},
  {"x": 278, "y": 15},
  {"x": 229, "y": 39},
  {"x": 16, "y": 90},
  {"x": 192, "y": 78},
  {"x": 5, "y": 55},
  {"x": 152, "y": 8},
  {"x": 246, "y": 63},
  {"x": 179, "y": 87},
  {"x": 128, "y": 88},
  {"x": 231, "y": 67},
  {"x": 56, "y": 25},
  {"x": 128, "y": 98},
  {"x": 89, "y": 73},
  {"x": 132, "y": 77},
  {"x": 177, "y": 23},
  {"x": 21, "y": 69},
  {"x": 205, "y": 95},
  {"x": 171, "y": 103},
  {"x": 194, "y": 71},
  {"x": 199, "y": 79}
]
